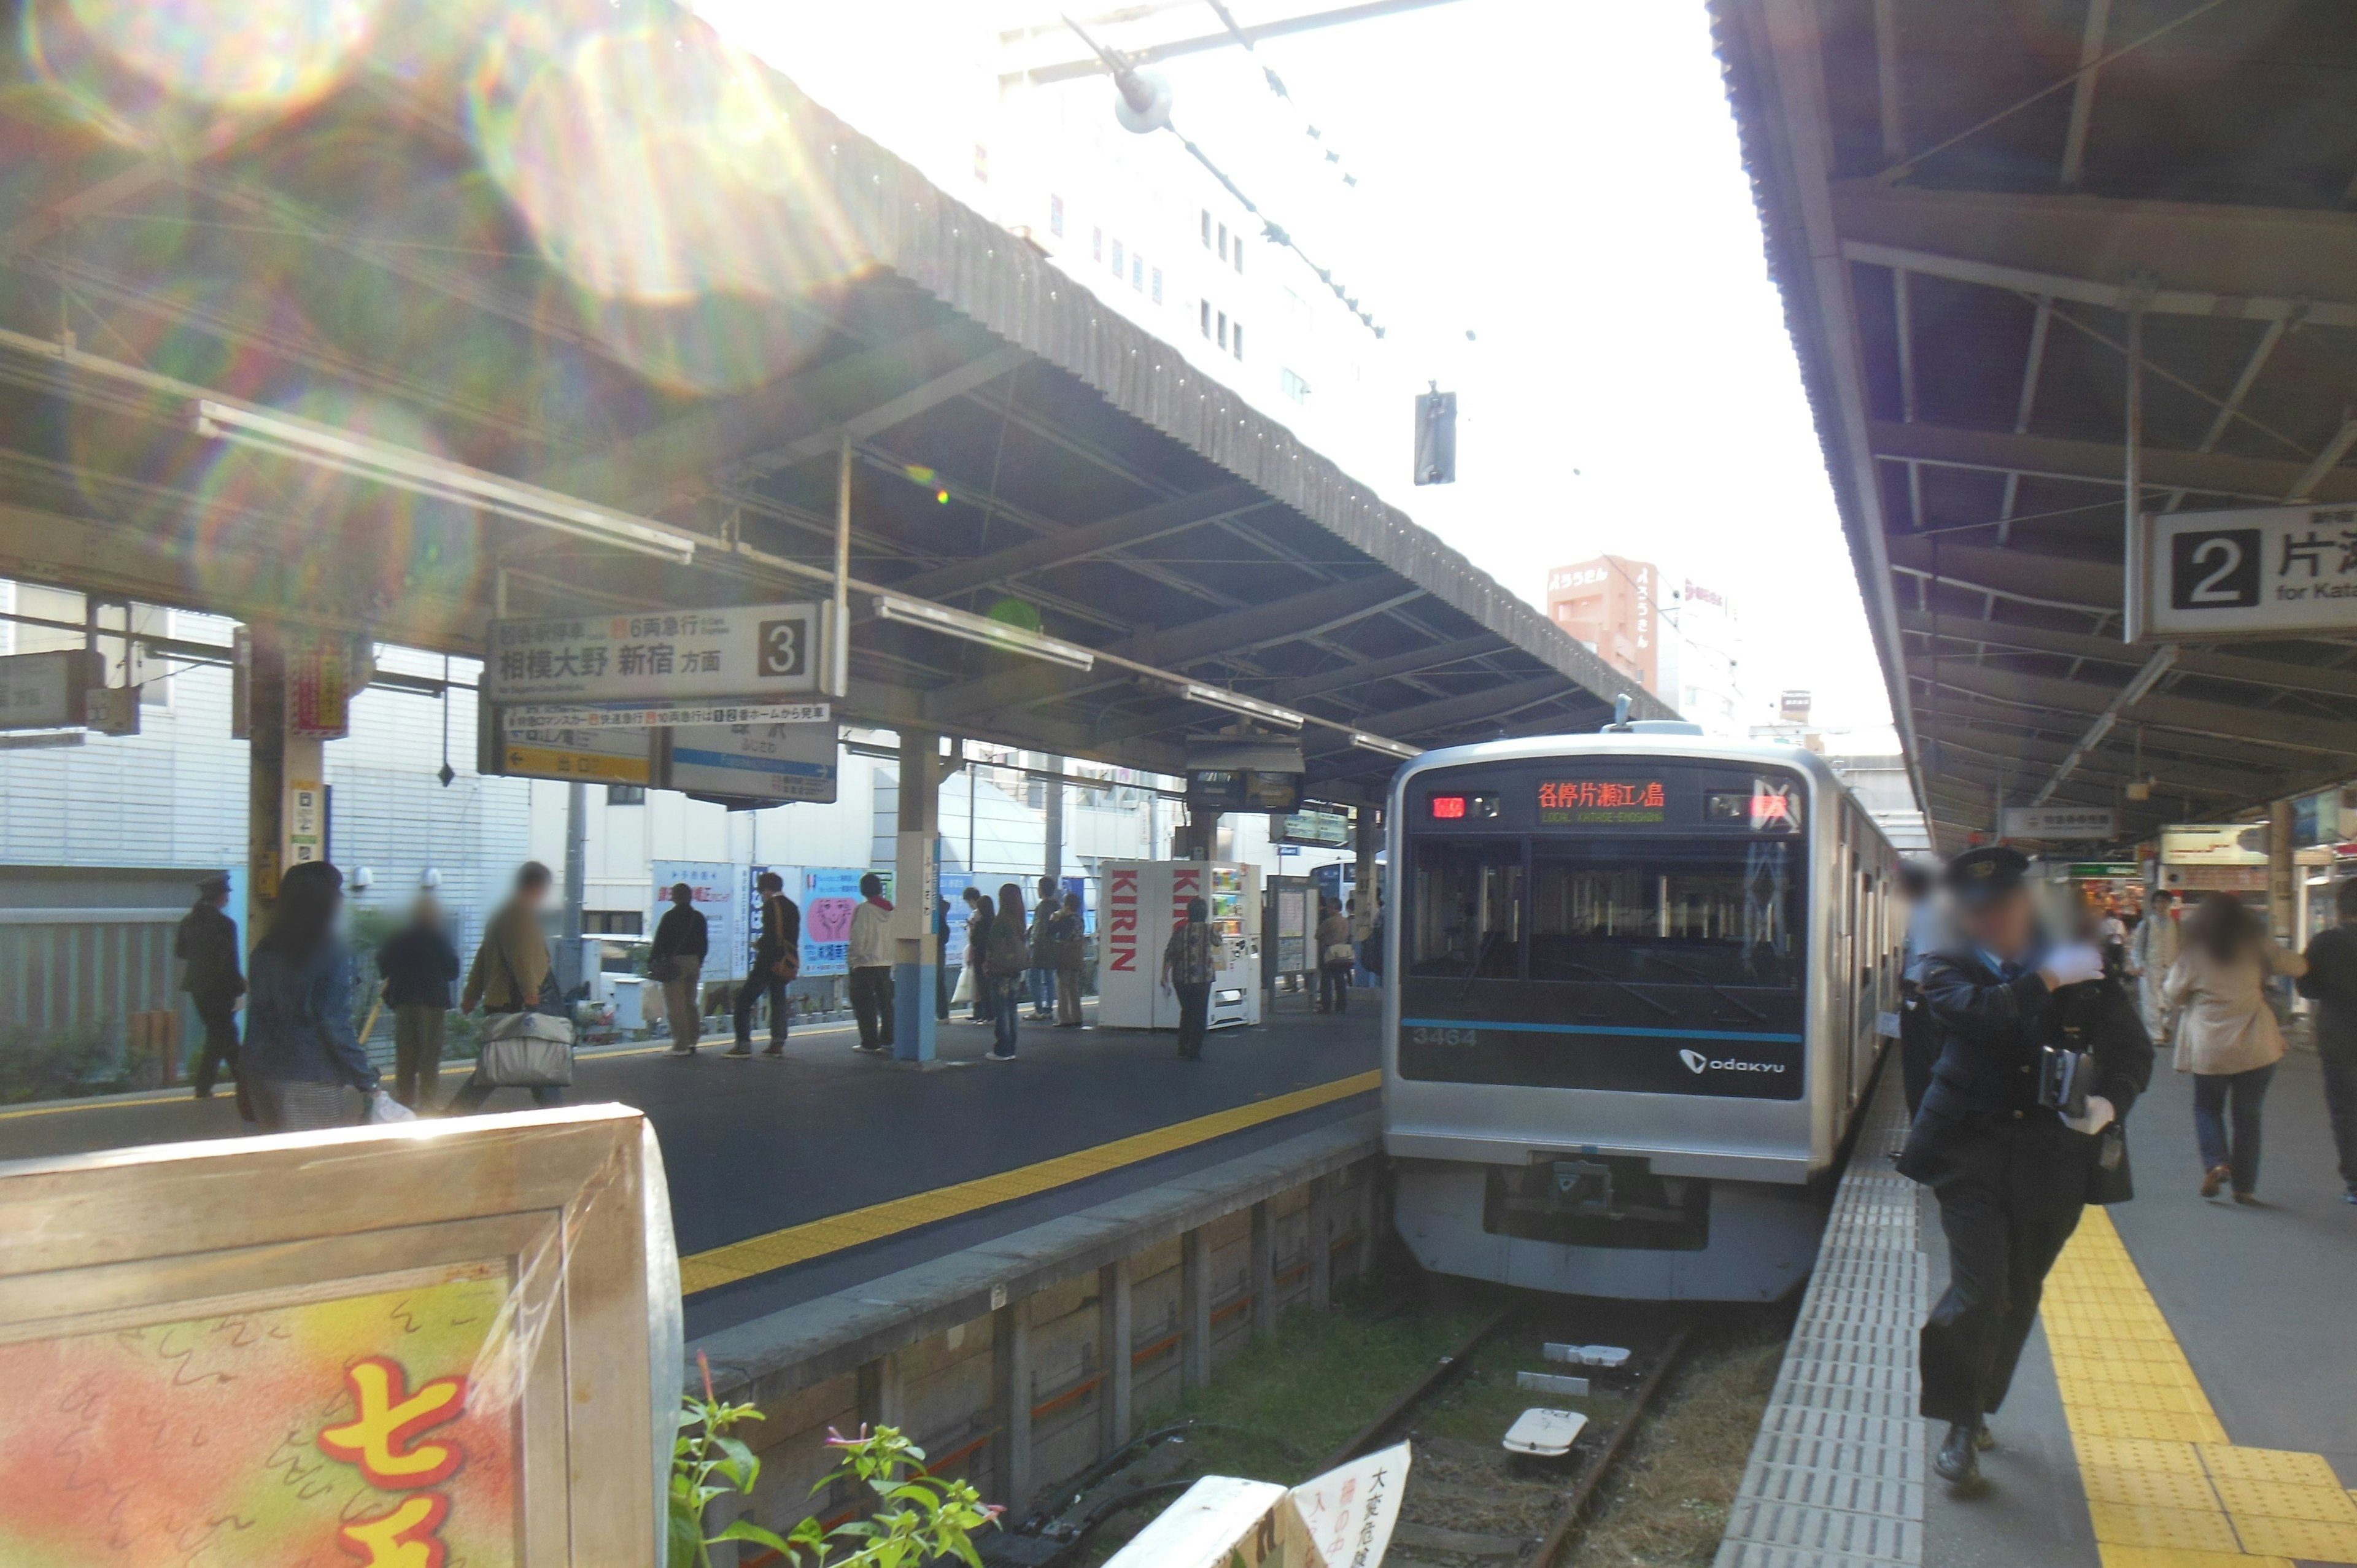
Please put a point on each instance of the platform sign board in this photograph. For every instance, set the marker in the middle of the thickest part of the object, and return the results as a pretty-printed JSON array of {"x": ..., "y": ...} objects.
[
  {"x": 661, "y": 714},
  {"x": 2060, "y": 823},
  {"x": 48, "y": 690},
  {"x": 1314, "y": 825},
  {"x": 2254, "y": 572},
  {"x": 779, "y": 762},
  {"x": 319, "y": 685},
  {"x": 491, "y": 1381},
  {"x": 749, "y": 653},
  {"x": 588, "y": 756}
]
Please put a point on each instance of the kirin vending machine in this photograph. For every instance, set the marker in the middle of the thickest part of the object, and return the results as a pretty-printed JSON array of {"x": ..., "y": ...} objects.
[{"x": 1141, "y": 901}]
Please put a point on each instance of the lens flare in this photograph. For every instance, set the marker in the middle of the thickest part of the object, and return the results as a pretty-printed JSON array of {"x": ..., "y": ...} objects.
[
  {"x": 659, "y": 170},
  {"x": 145, "y": 72}
]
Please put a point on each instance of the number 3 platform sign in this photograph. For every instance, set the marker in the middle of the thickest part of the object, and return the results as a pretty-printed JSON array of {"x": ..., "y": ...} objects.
[{"x": 2260, "y": 571}]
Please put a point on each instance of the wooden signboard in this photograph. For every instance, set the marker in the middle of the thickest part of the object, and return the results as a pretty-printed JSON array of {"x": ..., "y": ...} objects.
[{"x": 439, "y": 1341}]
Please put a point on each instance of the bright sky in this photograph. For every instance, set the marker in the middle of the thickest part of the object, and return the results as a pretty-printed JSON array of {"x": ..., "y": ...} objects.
[{"x": 1565, "y": 181}]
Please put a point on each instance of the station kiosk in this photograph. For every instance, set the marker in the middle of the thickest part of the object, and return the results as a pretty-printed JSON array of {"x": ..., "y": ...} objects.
[{"x": 1140, "y": 903}]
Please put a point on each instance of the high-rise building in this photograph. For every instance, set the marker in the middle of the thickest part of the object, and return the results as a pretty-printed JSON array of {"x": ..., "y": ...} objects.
[
  {"x": 1702, "y": 658},
  {"x": 1611, "y": 604}
]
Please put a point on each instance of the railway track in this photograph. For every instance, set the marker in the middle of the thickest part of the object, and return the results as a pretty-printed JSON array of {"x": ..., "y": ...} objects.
[{"x": 1469, "y": 1503}]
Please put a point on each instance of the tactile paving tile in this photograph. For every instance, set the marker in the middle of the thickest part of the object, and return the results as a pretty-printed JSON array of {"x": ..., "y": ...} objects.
[
  {"x": 2283, "y": 1500},
  {"x": 2179, "y": 1426},
  {"x": 2130, "y": 1524},
  {"x": 2148, "y": 1489},
  {"x": 2307, "y": 1540},
  {"x": 1810, "y": 1486},
  {"x": 1826, "y": 1530},
  {"x": 2227, "y": 1461},
  {"x": 1761, "y": 1554},
  {"x": 1888, "y": 1461},
  {"x": 2139, "y": 1454},
  {"x": 2180, "y": 1557}
]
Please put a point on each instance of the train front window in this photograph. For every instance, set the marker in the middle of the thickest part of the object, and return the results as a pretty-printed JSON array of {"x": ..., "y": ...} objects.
[
  {"x": 1666, "y": 911},
  {"x": 1468, "y": 910}
]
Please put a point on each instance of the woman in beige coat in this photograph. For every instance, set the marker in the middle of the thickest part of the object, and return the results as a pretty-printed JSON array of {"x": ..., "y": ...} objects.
[{"x": 2214, "y": 1003}]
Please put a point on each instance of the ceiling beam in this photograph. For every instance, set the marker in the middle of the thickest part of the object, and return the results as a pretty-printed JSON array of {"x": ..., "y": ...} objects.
[
  {"x": 2082, "y": 93},
  {"x": 2273, "y": 673},
  {"x": 2281, "y": 731},
  {"x": 2016, "y": 756},
  {"x": 1294, "y": 615},
  {"x": 2262, "y": 480},
  {"x": 2050, "y": 579},
  {"x": 946, "y": 387},
  {"x": 1425, "y": 720},
  {"x": 1172, "y": 516},
  {"x": 2256, "y": 263},
  {"x": 1416, "y": 660}
]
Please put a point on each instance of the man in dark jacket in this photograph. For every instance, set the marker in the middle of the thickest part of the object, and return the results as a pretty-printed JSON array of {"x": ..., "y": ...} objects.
[
  {"x": 207, "y": 943},
  {"x": 2331, "y": 982},
  {"x": 777, "y": 961},
  {"x": 683, "y": 941},
  {"x": 418, "y": 964},
  {"x": 2011, "y": 1174}
]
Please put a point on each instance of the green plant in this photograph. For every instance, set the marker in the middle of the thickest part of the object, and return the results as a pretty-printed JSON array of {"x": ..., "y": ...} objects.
[{"x": 919, "y": 1517}]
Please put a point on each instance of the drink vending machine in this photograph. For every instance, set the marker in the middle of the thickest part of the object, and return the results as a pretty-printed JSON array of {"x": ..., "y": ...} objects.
[{"x": 1141, "y": 901}]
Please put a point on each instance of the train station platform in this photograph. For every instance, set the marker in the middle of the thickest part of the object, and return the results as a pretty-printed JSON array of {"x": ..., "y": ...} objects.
[
  {"x": 798, "y": 1178},
  {"x": 2185, "y": 1402}
]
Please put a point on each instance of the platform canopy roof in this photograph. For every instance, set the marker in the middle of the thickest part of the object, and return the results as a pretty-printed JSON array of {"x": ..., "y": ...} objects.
[
  {"x": 1964, "y": 200},
  {"x": 590, "y": 246}
]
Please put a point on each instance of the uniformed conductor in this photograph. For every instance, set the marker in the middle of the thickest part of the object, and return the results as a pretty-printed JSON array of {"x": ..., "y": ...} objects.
[{"x": 2012, "y": 1174}]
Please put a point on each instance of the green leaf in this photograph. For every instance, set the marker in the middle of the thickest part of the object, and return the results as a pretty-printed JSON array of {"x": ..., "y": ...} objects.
[{"x": 746, "y": 1530}]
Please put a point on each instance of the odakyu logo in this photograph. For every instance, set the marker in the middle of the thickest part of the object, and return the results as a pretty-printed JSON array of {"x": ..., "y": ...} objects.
[{"x": 1698, "y": 1064}]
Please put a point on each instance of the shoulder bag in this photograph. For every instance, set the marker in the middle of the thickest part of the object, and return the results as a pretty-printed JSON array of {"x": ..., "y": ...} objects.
[{"x": 530, "y": 1049}]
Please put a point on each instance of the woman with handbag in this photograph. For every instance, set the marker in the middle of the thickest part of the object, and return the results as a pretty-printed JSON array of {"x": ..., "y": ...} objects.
[
  {"x": 2215, "y": 1001},
  {"x": 1008, "y": 958},
  {"x": 527, "y": 1039},
  {"x": 1336, "y": 958},
  {"x": 777, "y": 961},
  {"x": 300, "y": 1051}
]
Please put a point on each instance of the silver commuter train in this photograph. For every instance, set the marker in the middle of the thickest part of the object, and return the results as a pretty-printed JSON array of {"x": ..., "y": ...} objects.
[{"x": 1635, "y": 988}]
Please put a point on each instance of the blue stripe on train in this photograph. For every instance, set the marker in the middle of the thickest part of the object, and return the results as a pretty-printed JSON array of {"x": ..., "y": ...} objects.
[{"x": 1593, "y": 1029}]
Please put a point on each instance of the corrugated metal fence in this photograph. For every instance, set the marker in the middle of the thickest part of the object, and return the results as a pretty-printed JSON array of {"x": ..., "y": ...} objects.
[{"x": 61, "y": 968}]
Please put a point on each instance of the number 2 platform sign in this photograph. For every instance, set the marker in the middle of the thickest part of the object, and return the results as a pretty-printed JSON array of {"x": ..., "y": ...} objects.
[{"x": 2257, "y": 572}]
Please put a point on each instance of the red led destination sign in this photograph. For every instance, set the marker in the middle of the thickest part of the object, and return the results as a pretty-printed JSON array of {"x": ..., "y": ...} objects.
[{"x": 1602, "y": 802}]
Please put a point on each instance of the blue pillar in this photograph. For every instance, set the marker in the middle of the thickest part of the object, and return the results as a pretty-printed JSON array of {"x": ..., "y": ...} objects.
[{"x": 917, "y": 883}]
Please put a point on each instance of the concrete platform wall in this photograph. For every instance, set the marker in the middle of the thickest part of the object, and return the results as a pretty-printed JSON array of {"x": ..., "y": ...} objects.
[{"x": 1020, "y": 1363}]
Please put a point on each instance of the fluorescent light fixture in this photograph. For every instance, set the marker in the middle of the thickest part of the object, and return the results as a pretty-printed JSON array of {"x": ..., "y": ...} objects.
[
  {"x": 422, "y": 473},
  {"x": 1237, "y": 702},
  {"x": 1376, "y": 743},
  {"x": 983, "y": 629}
]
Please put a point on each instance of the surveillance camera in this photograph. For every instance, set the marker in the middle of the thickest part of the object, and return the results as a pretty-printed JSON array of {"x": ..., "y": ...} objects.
[{"x": 362, "y": 878}]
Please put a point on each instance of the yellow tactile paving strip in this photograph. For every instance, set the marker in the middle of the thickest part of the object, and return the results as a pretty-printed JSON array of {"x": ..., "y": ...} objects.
[
  {"x": 2165, "y": 1486},
  {"x": 800, "y": 1243}
]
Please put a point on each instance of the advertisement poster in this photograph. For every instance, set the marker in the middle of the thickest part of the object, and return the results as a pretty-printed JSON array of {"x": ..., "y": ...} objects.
[
  {"x": 371, "y": 1428},
  {"x": 829, "y": 896},
  {"x": 720, "y": 895}
]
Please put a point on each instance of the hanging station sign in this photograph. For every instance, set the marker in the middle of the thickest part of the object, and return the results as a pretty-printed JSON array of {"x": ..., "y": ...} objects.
[
  {"x": 2254, "y": 572},
  {"x": 745, "y": 653},
  {"x": 49, "y": 690},
  {"x": 780, "y": 762},
  {"x": 2071, "y": 824}
]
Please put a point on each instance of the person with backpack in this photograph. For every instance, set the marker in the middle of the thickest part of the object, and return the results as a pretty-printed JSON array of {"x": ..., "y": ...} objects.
[{"x": 777, "y": 962}]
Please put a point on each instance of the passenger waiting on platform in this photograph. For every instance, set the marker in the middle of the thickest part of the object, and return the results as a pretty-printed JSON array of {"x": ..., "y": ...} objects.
[
  {"x": 1043, "y": 962},
  {"x": 977, "y": 955},
  {"x": 2331, "y": 982},
  {"x": 1335, "y": 958},
  {"x": 682, "y": 941},
  {"x": 301, "y": 1052},
  {"x": 512, "y": 973},
  {"x": 2214, "y": 1005},
  {"x": 871, "y": 967},
  {"x": 2152, "y": 953},
  {"x": 207, "y": 943},
  {"x": 418, "y": 964},
  {"x": 1068, "y": 942},
  {"x": 2011, "y": 1171},
  {"x": 1008, "y": 957},
  {"x": 777, "y": 962},
  {"x": 1188, "y": 966}
]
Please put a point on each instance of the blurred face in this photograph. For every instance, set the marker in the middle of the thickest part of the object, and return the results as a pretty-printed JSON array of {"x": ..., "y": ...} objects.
[
  {"x": 534, "y": 894},
  {"x": 2004, "y": 926},
  {"x": 683, "y": 895}
]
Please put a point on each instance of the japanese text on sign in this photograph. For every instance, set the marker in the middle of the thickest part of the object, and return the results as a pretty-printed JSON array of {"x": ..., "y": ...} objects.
[
  {"x": 746, "y": 652},
  {"x": 2261, "y": 569},
  {"x": 1602, "y": 802}
]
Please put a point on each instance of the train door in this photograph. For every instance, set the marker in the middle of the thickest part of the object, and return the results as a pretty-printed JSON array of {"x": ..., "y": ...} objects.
[{"x": 1845, "y": 966}]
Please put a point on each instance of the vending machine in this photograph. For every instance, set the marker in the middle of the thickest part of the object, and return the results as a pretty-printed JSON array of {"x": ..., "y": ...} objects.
[{"x": 1140, "y": 902}]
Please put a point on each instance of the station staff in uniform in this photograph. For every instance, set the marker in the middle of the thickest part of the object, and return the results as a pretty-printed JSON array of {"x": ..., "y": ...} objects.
[{"x": 2011, "y": 1174}]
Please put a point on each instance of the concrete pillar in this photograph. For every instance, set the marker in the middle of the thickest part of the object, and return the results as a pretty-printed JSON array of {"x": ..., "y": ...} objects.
[
  {"x": 880, "y": 1397},
  {"x": 1114, "y": 1336},
  {"x": 1321, "y": 1243},
  {"x": 1367, "y": 841},
  {"x": 1370, "y": 1213},
  {"x": 2283, "y": 889},
  {"x": 916, "y": 886},
  {"x": 1052, "y": 861},
  {"x": 1010, "y": 1353},
  {"x": 1192, "y": 839},
  {"x": 286, "y": 783},
  {"x": 1264, "y": 1272},
  {"x": 1194, "y": 1310},
  {"x": 576, "y": 887}
]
